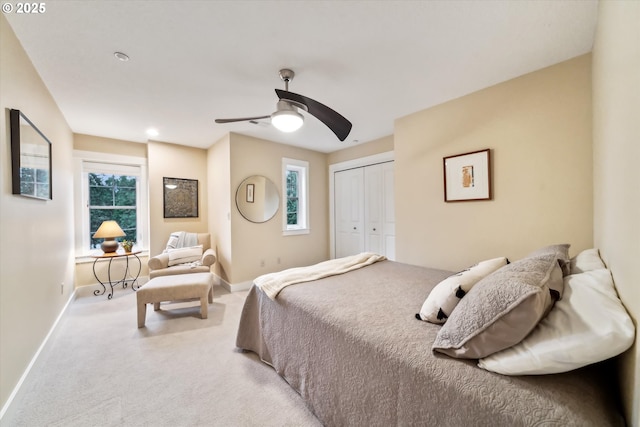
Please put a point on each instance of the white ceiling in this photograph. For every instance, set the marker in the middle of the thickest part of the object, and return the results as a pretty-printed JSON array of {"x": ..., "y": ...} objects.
[{"x": 372, "y": 61}]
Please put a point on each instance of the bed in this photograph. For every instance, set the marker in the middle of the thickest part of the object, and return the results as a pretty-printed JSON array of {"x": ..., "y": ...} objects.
[{"x": 351, "y": 346}]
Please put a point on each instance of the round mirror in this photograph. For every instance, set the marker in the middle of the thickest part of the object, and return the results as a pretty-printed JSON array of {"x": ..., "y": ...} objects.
[{"x": 257, "y": 199}]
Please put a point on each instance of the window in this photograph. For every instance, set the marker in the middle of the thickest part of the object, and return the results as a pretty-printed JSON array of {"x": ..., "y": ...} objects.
[
  {"x": 112, "y": 197},
  {"x": 110, "y": 187},
  {"x": 295, "y": 179}
]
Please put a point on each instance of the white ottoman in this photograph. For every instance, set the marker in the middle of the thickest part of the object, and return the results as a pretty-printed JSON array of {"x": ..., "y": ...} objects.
[{"x": 173, "y": 288}]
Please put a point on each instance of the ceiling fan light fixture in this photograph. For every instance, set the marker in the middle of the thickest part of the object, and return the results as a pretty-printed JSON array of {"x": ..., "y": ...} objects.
[{"x": 286, "y": 119}]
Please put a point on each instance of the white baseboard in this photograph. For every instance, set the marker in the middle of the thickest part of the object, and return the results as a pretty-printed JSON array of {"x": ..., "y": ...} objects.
[
  {"x": 233, "y": 287},
  {"x": 13, "y": 394}
]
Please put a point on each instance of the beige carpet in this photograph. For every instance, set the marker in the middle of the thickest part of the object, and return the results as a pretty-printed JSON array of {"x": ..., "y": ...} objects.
[{"x": 99, "y": 369}]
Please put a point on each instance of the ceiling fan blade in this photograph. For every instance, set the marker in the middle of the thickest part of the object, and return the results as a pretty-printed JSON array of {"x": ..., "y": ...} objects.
[
  {"x": 334, "y": 120},
  {"x": 243, "y": 119}
]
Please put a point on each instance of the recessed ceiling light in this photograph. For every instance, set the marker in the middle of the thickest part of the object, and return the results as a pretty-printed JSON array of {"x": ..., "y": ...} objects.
[
  {"x": 152, "y": 132},
  {"x": 121, "y": 56}
]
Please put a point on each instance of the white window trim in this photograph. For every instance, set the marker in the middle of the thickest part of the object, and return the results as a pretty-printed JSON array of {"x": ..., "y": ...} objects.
[
  {"x": 81, "y": 189},
  {"x": 303, "y": 167}
]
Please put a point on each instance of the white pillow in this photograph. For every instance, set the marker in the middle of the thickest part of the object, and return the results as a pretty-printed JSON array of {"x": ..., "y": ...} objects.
[
  {"x": 185, "y": 255},
  {"x": 445, "y": 296},
  {"x": 588, "y": 325},
  {"x": 587, "y": 260}
]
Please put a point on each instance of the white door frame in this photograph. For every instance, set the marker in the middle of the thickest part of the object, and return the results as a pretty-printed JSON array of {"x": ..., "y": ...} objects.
[{"x": 387, "y": 156}]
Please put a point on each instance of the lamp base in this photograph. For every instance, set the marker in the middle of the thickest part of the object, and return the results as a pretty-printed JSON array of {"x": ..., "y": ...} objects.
[{"x": 109, "y": 246}]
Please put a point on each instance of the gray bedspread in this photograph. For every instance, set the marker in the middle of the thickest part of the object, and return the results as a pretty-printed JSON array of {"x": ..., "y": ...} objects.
[{"x": 351, "y": 346}]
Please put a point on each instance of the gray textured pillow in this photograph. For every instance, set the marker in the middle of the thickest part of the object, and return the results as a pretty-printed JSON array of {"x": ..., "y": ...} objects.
[
  {"x": 501, "y": 309},
  {"x": 560, "y": 251}
]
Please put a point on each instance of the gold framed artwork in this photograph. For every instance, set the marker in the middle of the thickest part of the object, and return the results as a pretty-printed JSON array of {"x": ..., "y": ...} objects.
[{"x": 467, "y": 177}]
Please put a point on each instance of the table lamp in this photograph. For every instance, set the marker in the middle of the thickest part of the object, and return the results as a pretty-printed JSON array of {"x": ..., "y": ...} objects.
[{"x": 108, "y": 231}]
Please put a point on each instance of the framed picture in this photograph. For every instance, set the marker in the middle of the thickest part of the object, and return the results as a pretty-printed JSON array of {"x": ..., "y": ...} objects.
[
  {"x": 250, "y": 190},
  {"x": 467, "y": 176},
  {"x": 31, "y": 165},
  {"x": 180, "y": 197}
]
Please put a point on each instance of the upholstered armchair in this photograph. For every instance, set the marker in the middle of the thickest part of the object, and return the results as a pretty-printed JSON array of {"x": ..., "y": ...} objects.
[{"x": 167, "y": 262}]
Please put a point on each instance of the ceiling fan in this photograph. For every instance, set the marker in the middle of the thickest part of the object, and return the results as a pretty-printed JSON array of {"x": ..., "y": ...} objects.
[{"x": 287, "y": 118}]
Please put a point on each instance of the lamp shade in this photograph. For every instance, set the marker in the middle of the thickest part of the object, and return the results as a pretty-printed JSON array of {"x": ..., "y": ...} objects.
[
  {"x": 109, "y": 230},
  {"x": 287, "y": 118}
]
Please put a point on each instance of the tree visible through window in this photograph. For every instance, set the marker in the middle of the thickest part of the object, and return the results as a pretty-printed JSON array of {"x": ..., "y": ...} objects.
[
  {"x": 293, "y": 198},
  {"x": 112, "y": 197},
  {"x": 295, "y": 188}
]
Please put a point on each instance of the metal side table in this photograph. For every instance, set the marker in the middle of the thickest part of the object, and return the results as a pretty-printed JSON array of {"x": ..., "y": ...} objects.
[{"x": 127, "y": 277}]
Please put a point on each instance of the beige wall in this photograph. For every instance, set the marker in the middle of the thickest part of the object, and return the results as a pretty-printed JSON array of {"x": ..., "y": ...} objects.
[
  {"x": 107, "y": 145},
  {"x": 377, "y": 146},
  {"x": 253, "y": 243},
  {"x": 538, "y": 128},
  {"x": 174, "y": 161},
  {"x": 36, "y": 237},
  {"x": 220, "y": 205},
  {"x": 616, "y": 153}
]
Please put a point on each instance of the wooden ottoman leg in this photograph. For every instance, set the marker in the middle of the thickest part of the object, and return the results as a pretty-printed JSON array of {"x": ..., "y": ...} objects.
[
  {"x": 156, "y": 306},
  {"x": 142, "y": 314}
]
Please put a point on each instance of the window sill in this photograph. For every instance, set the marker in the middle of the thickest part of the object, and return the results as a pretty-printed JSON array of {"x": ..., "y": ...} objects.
[{"x": 296, "y": 232}]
